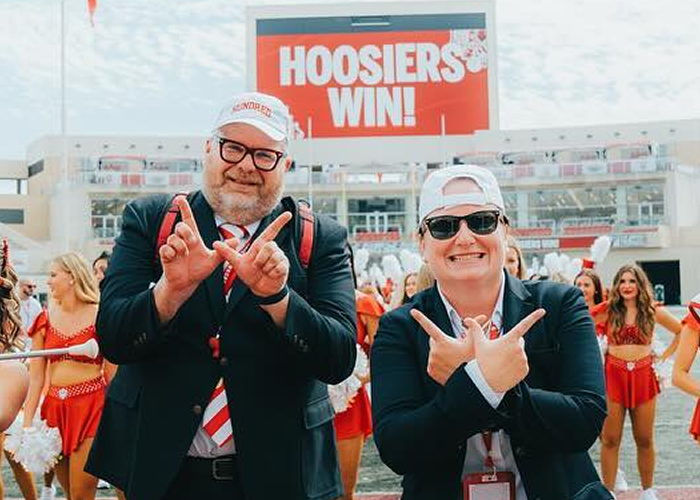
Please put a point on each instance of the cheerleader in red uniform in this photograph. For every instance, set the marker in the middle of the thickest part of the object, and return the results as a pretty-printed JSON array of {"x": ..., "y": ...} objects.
[
  {"x": 354, "y": 425},
  {"x": 629, "y": 319},
  {"x": 688, "y": 348},
  {"x": 76, "y": 390}
]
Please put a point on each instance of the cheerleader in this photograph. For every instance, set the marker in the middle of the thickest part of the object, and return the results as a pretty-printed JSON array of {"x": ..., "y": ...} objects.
[
  {"x": 688, "y": 348},
  {"x": 75, "y": 396},
  {"x": 354, "y": 425},
  {"x": 515, "y": 262},
  {"x": 628, "y": 320},
  {"x": 407, "y": 289},
  {"x": 13, "y": 376}
]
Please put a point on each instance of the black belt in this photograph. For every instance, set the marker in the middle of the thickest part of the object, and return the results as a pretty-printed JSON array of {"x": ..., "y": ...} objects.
[{"x": 221, "y": 469}]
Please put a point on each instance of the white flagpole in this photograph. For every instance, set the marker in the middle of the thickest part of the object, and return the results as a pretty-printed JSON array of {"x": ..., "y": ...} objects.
[{"x": 64, "y": 149}]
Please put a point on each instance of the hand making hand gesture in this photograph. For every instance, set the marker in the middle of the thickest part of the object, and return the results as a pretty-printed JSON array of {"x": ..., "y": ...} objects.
[
  {"x": 446, "y": 352},
  {"x": 502, "y": 361},
  {"x": 264, "y": 268}
]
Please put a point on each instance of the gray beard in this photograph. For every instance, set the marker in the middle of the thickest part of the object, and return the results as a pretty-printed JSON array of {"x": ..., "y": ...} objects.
[{"x": 236, "y": 210}]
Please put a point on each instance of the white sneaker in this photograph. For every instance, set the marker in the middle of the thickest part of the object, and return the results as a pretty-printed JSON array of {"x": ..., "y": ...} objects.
[
  {"x": 48, "y": 493},
  {"x": 621, "y": 481},
  {"x": 648, "y": 494},
  {"x": 102, "y": 484}
]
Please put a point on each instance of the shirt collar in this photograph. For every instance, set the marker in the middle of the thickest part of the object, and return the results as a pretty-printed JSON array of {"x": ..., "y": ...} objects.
[{"x": 496, "y": 316}]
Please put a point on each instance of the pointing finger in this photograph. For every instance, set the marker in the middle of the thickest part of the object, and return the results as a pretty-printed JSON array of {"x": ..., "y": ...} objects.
[
  {"x": 186, "y": 214},
  {"x": 271, "y": 231},
  {"x": 519, "y": 330},
  {"x": 430, "y": 328}
]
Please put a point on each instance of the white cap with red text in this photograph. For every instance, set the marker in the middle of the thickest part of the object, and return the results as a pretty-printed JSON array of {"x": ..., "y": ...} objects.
[
  {"x": 433, "y": 197},
  {"x": 264, "y": 112}
]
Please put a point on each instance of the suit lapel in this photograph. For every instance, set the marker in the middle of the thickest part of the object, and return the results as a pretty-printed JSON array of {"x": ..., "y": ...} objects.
[
  {"x": 517, "y": 303},
  {"x": 209, "y": 232}
]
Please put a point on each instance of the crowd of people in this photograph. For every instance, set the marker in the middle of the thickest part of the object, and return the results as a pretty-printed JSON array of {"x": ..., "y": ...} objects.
[{"x": 229, "y": 311}]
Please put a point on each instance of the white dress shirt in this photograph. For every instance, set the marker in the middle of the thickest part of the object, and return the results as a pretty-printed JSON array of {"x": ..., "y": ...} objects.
[
  {"x": 502, "y": 452},
  {"x": 202, "y": 445},
  {"x": 28, "y": 310}
]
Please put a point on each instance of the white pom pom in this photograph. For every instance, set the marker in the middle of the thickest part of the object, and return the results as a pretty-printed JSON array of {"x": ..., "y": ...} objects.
[
  {"x": 572, "y": 269},
  {"x": 392, "y": 268},
  {"x": 361, "y": 260},
  {"x": 551, "y": 262},
  {"x": 343, "y": 394},
  {"x": 39, "y": 449},
  {"x": 410, "y": 261},
  {"x": 13, "y": 435},
  {"x": 600, "y": 249},
  {"x": 377, "y": 276}
]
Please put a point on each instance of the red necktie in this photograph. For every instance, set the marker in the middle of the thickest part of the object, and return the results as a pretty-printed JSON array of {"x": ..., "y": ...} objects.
[
  {"x": 216, "y": 421},
  {"x": 493, "y": 332},
  {"x": 228, "y": 231}
]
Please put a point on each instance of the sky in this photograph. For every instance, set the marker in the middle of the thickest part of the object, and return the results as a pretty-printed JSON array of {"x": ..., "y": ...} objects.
[{"x": 164, "y": 67}]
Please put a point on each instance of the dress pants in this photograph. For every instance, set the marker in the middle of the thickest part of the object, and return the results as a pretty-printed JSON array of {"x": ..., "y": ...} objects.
[{"x": 204, "y": 478}]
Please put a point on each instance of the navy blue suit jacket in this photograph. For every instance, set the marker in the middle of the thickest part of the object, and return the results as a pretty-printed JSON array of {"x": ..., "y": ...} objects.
[
  {"x": 275, "y": 378},
  {"x": 552, "y": 417}
]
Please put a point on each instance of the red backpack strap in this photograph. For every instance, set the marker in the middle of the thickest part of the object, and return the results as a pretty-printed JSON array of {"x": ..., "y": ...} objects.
[
  {"x": 168, "y": 223},
  {"x": 306, "y": 242}
]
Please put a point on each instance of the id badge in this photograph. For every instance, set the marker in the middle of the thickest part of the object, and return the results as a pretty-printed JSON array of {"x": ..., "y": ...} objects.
[{"x": 489, "y": 486}]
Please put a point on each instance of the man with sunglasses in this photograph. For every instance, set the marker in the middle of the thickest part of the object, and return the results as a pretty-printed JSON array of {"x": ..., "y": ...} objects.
[
  {"x": 29, "y": 307},
  {"x": 485, "y": 386},
  {"x": 227, "y": 341}
]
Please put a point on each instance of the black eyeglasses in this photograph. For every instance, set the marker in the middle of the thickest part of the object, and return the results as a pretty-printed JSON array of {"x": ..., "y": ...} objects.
[
  {"x": 233, "y": 152},
  {"x": 444, "y": 227}
]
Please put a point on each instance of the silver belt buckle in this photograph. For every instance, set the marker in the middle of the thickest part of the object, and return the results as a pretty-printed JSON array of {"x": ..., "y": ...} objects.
[
  {"x": 62, "y": 393},
  {"x": 631, "y": 365}
]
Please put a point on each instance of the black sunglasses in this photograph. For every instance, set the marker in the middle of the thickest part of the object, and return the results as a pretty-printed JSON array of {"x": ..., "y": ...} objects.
[{"x": 444, "y": 227}]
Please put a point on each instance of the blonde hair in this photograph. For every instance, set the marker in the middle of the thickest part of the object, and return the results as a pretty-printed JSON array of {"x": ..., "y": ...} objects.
[
  {"x": 10, "y": 321},
  {"x": 511, "y": 242},
  {"x": 646, "y": 312},
  {"x": 85, "y": 283},
  {"x": 424, "y": 278}
]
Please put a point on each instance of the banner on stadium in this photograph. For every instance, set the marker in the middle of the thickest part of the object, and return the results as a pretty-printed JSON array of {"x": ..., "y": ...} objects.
[{"x": 417, "y": 74}]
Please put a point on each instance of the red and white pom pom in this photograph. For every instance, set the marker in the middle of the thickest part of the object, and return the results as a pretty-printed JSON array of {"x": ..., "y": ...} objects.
[{"x": 600, "y": 250}]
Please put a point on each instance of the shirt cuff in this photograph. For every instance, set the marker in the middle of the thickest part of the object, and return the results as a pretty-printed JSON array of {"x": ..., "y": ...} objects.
[{"x": 494, "y": 398}]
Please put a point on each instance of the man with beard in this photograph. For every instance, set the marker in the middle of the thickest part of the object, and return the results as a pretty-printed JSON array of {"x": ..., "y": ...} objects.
[{"x": 226, "y": 342}]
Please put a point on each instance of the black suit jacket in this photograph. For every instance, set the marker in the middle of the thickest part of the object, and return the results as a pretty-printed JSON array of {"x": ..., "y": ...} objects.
[
  {"x": 275, "y": 379},
  {"x": 552, "y": 417}
]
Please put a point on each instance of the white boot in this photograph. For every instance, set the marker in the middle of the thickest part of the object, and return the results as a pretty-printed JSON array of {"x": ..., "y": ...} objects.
[
  {"x": 621, "y": 481},
  {"x": 48, "y": 493}
]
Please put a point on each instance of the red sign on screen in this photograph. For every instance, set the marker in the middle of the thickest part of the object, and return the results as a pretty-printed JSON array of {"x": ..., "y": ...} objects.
[{"x": 379, "y": 83}]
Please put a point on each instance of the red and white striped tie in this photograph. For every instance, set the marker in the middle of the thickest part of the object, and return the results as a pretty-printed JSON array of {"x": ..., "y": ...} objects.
[{"x": 216, "y": 421}]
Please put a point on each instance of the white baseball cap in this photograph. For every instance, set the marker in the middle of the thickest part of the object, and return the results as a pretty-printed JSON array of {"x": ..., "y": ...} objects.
[
  {"x": 264, "y": 112},
  {"x": 433, "y": 197}
]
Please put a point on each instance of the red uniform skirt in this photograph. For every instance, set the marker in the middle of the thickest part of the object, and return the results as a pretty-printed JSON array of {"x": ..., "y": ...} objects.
[
  {"x": 695, "y": 423},
  {"x": 356, "y": 420},
  {"x": 75, "y": 410},
  {"x": 631, "y": 383}
]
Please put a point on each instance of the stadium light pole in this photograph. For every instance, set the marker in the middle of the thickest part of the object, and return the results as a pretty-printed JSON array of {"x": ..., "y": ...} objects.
[{"x": 64, "y": 149}]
